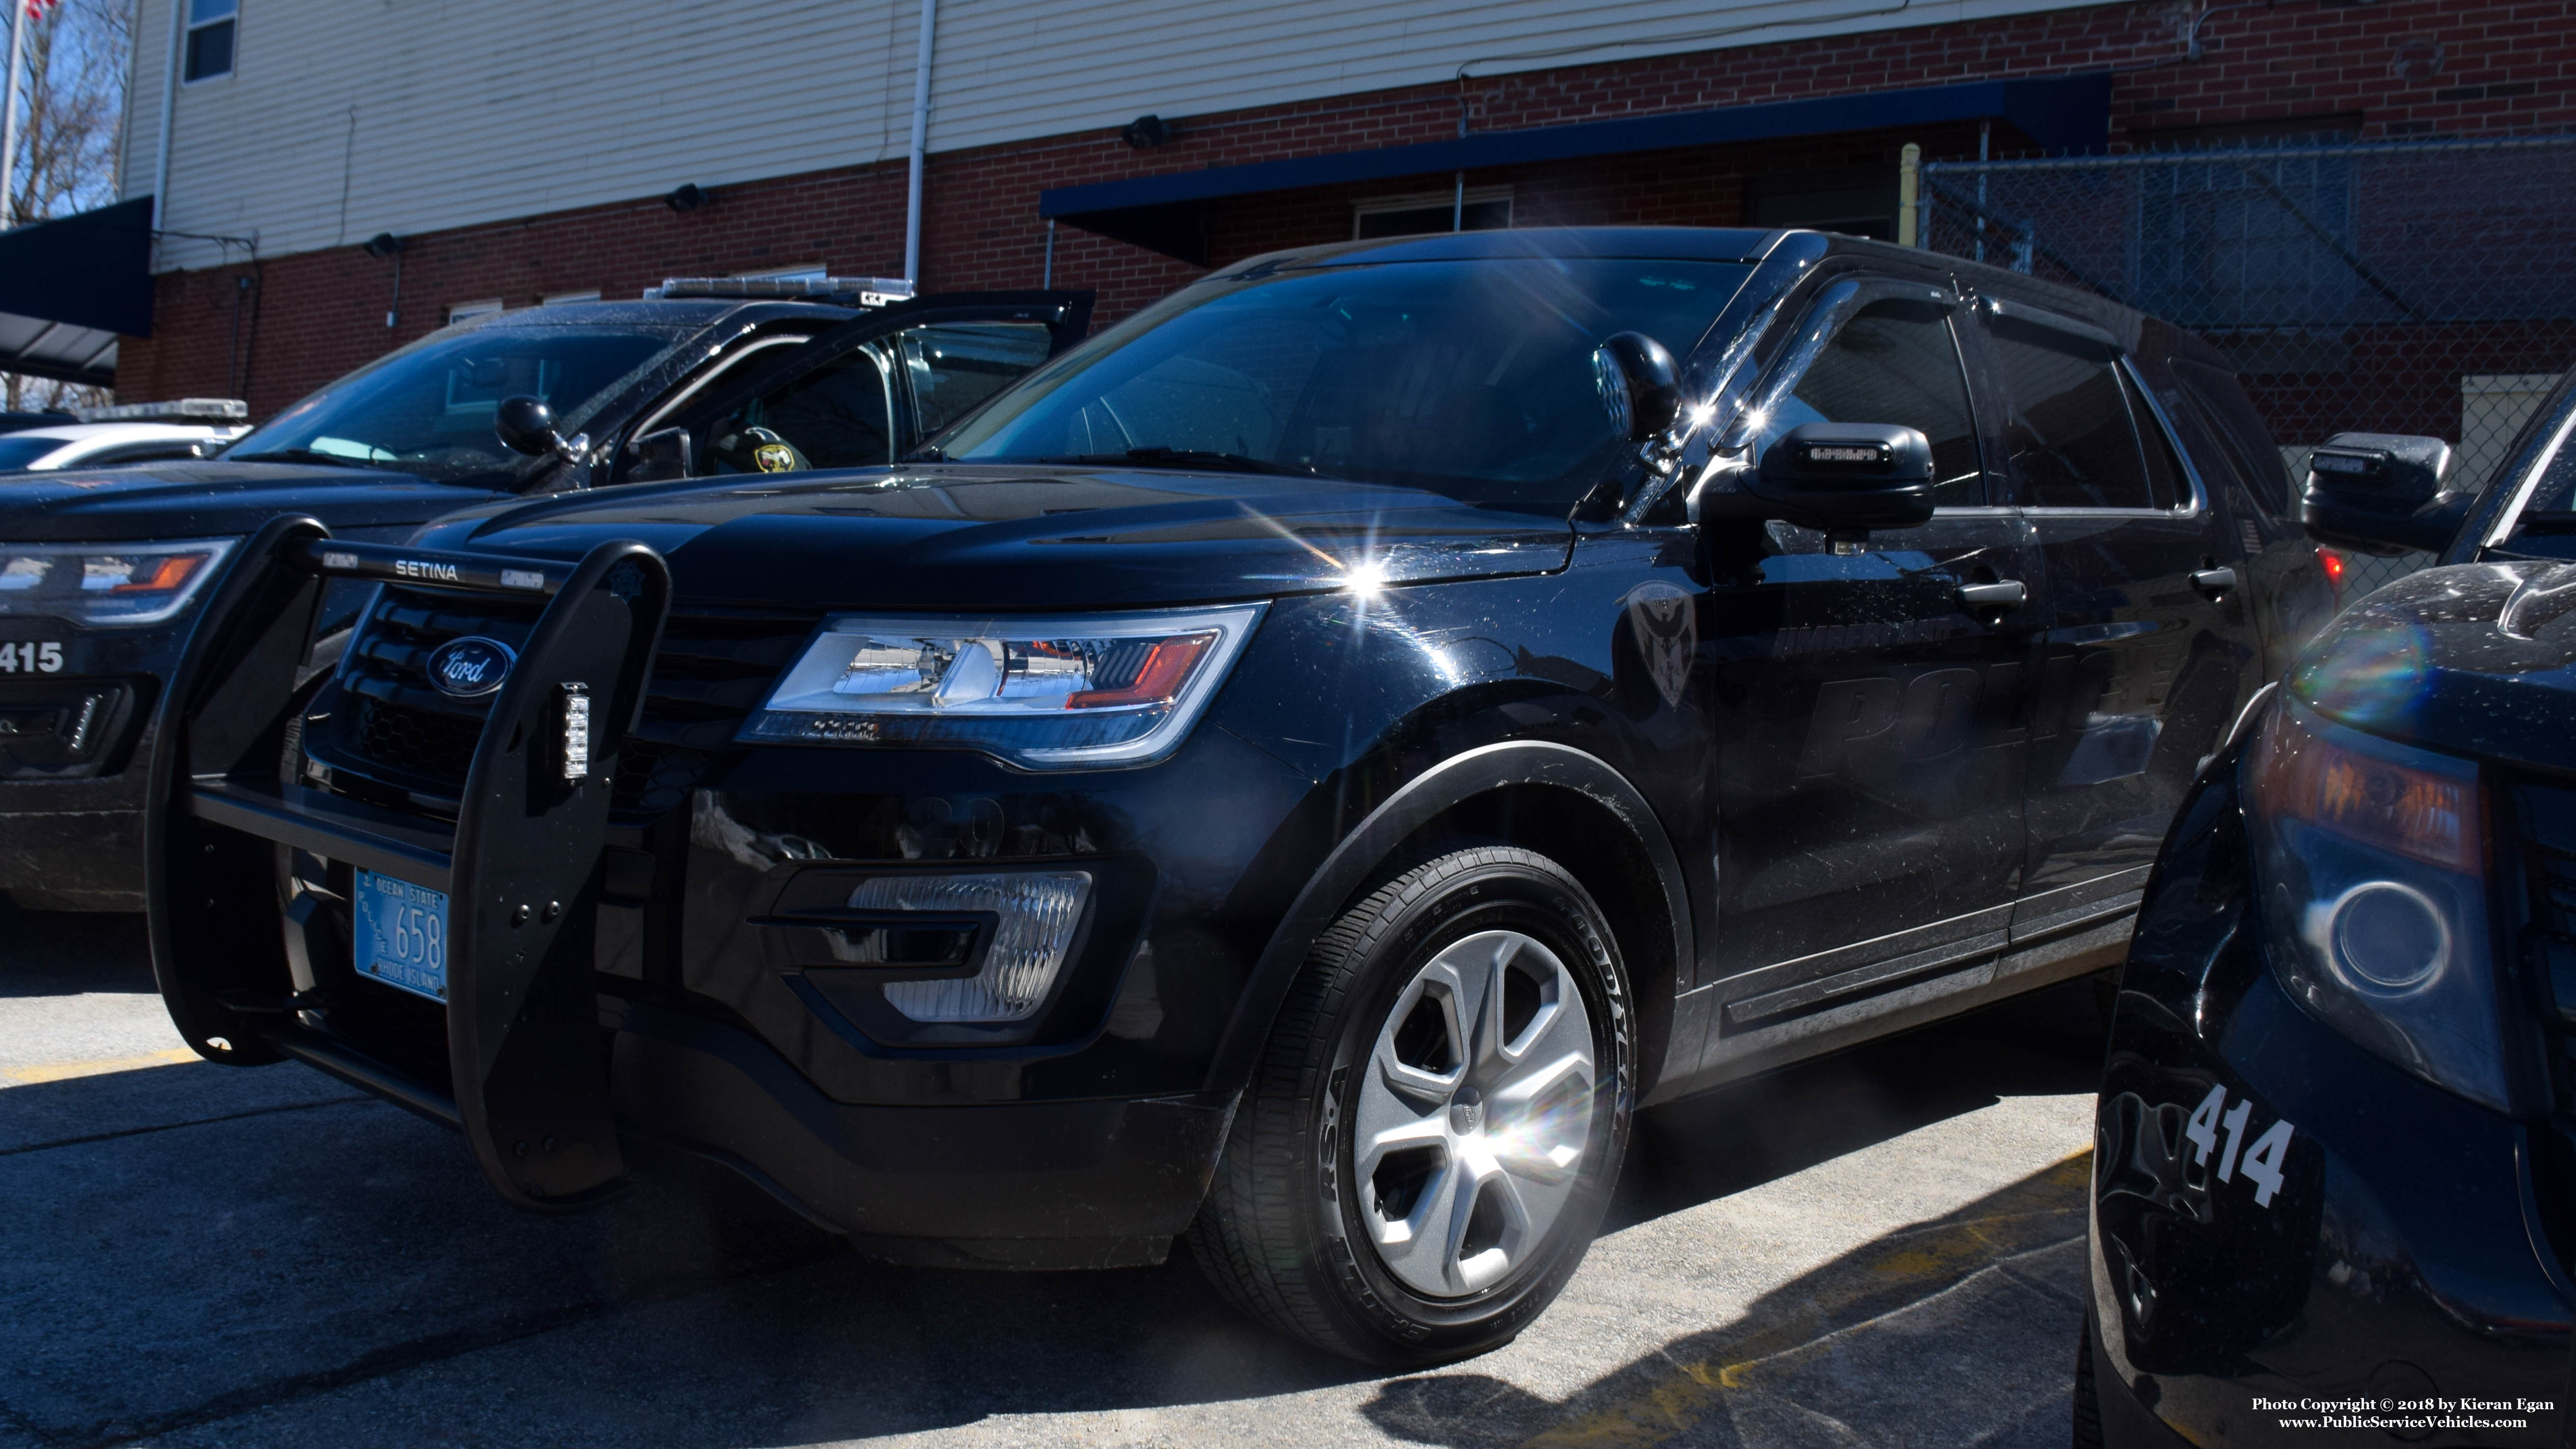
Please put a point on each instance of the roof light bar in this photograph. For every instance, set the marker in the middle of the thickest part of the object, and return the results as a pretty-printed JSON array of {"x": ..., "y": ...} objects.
[
  {"x": 175, "y": 410},
  {"x": 863, "y": 291}
]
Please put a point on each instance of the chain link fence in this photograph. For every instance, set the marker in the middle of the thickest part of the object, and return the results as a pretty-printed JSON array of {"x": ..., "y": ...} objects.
[{"x": 2393, "y": 287}]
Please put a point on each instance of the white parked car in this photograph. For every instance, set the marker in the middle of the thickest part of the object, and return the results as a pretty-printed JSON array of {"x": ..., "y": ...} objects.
[{"x": 131, "y": 433}]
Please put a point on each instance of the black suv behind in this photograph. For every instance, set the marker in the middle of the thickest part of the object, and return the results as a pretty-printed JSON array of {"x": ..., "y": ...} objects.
[
  {"x": 101, "y": 570},
  {"x": 1297, "y": 770}
]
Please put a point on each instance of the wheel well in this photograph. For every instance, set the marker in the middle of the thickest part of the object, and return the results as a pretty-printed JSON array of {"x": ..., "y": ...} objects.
[{"x": 1599, "y": 850}]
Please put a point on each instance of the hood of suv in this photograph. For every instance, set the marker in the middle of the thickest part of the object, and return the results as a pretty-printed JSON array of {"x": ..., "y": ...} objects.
[
  {"x": 2476, "y": 659},
  {"x": 193, "y": 500},
  {"x": 959, "y": 536}
]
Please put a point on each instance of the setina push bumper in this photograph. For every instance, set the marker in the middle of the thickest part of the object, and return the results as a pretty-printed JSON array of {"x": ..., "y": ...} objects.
[
  {"x": 488, "y": 915},
  {"x": 445, "y": 958}
]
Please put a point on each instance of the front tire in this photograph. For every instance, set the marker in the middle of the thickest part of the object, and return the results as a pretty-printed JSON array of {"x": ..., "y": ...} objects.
[{"x": 1430, "y": 1139}]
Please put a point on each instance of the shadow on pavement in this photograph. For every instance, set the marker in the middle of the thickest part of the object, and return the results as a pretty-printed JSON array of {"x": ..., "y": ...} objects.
[
  {"x": 308, "y": 1268},
  {"x": 49, "y": 953},
  {"x": 1929, "y": 1334}
]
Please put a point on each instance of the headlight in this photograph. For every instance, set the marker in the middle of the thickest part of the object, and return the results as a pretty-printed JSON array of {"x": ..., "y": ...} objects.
[
  {"x": 96, "y": 583},
  {"x": 2371, "y": 864},
  {"x": 1060, "y": 693}
]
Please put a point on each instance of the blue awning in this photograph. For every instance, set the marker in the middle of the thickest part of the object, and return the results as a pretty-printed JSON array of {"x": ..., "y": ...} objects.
[
  {"x": 1162, "y": 213},
  {"x": 70, "y": 286}
]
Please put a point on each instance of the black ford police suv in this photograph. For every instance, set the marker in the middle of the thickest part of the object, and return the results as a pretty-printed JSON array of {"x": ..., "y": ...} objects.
[
  {"x": 2336, "y": 1176},
  {"x": 101, "y": 571},
  {"x": 1296, "y": 771}
]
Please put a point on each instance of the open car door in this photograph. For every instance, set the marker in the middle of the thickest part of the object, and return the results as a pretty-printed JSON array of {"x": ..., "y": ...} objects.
[{"x": 858, "y": 396}]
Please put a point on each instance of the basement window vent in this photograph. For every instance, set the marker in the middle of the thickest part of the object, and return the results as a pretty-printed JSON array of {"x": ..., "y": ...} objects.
[{"x": 1488, "y": 208}]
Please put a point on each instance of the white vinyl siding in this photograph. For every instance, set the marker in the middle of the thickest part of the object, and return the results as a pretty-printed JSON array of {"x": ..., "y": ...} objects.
[{"x": 346, "y": 118}]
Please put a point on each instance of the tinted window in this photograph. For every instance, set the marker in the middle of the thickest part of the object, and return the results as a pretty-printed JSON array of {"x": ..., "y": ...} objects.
[
  {"x": 2166, "y": 482},
  {"x": 1470, "y": 378},
  {"x": 833, "y": 416},
  {"x": 955, "y": 366},
  {"x": 1895, "y": 363},
  {"x": 428, "y": 409},
  {"x": 2070, "y": 437},
  {"x": 2243, "y": 441}
]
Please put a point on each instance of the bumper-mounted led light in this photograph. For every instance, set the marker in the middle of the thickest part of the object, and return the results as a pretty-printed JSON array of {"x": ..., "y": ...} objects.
[{"x": 576, "y": 731}]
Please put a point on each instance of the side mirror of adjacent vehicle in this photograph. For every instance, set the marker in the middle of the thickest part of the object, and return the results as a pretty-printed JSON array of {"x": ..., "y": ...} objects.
[
  {"x": 1640, "y": 384},
  {"x": 526, "y": 425},
  {"x": 661, "y": 456},
  {"x": 1842, "y": 478},
  {"x": 2381, "y": 493}
]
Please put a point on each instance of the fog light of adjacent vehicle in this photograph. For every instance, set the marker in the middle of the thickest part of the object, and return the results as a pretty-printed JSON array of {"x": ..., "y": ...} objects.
[
  {"x": 1065, "y": 692},
  {"x": 1035, "y": 915},
  {"x": 2370, "y": 857}
]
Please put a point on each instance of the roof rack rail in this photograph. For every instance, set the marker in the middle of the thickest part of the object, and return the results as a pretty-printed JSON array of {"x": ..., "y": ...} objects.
[
  {"x": 173, "y": 410},
  {"x": 847, "y": 291}
]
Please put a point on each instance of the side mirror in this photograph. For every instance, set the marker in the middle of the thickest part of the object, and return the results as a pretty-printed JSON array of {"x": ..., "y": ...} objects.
[
  {"x": 1640, "y": 384},
  {"x": 661, "y": 456},
  {"x": 1843, "y": 478},
  {"x": 526, "y": 425},
  {"x": 2381, "y": 493}
]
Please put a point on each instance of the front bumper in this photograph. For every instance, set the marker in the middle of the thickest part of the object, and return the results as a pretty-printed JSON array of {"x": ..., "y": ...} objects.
[{"x": 621, "y": 989}]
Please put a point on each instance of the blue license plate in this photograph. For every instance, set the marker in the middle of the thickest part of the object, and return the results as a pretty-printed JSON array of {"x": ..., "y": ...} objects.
[{"x": 402, "y": 934}]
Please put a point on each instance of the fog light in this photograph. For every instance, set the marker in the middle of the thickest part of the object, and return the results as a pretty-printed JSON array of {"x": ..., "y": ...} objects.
[{"x": 1036, "y": 916}]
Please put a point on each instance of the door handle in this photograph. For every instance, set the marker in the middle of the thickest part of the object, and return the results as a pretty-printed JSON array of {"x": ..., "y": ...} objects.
[
  {"x": 1978, "y": 598},
  {"x": 2214, "y": 582}
]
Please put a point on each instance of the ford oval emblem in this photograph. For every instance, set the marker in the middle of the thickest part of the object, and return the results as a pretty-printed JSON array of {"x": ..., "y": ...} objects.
[{"x": 471, "y": 667}]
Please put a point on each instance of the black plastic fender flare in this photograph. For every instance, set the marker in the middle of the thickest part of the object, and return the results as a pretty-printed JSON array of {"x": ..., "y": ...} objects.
[{"x": 1360, "y": 852}]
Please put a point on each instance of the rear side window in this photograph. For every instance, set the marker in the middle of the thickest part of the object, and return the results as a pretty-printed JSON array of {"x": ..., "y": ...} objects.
[
  {"x": 2072, "y": 441},
  {"x": 1896, "y": 363},
  {"x": 2243, "y": 440}
]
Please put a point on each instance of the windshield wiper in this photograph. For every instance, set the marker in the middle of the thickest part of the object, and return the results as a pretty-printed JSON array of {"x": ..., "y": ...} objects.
[
  {"x": 1186, "y": 458},
  {"x": 307, "y": 455}
]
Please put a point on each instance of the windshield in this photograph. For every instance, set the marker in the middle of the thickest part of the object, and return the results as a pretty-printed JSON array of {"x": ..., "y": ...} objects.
[
  {"x": 17, "y": 453},
  {"x": 427, "y": 410},
  {"x": 1469, "y": 378}
]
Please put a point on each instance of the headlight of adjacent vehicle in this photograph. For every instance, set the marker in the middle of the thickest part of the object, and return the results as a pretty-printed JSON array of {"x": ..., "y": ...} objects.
[
  {"x": 1056, "y": 693},
  {"x": 98, "y": 583},
  {"x": 2371, "y": 865}
]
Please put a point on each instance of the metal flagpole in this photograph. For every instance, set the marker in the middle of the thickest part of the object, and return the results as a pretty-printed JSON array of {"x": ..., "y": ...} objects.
[{"x": 9, "y": 115}]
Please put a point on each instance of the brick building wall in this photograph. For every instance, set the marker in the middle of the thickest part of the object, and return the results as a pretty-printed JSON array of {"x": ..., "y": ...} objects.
[{"x": 2389, "y": 69}]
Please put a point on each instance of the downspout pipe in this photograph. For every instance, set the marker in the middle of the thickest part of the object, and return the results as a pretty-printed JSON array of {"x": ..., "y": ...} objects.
[
  {"x": 920, "y": 140},
  {"x": 169, "y": 109}
]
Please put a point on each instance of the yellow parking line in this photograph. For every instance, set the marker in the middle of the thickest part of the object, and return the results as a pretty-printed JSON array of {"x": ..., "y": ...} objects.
[
  {"x": 2028, "y": 1215},
  {"x": 65, "y": 1071}
]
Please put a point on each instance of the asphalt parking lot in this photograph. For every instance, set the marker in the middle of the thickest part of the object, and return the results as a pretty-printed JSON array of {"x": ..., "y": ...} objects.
[{"x": 1885, "y": 1248}]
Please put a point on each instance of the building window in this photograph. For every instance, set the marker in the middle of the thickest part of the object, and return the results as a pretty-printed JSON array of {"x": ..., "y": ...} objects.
[
  {"x": 557, "y": 299},
  {"x": 459, "y": 311},
  {"x": 1488, "y": 208},
  {"x": 210, "y": 38},
  {"x": 1858, "y": 202}
]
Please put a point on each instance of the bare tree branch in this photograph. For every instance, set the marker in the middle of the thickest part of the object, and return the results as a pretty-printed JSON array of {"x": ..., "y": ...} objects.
[{"x": 71, "y": 121}]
